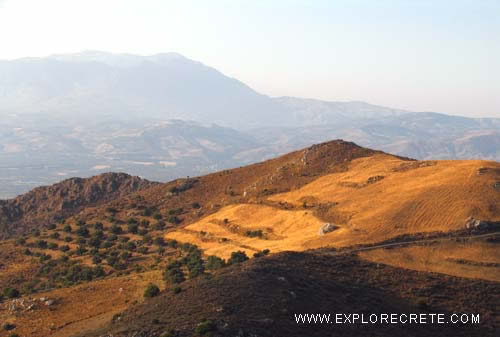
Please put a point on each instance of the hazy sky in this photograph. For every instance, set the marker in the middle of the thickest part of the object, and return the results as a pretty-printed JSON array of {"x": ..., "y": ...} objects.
[{"x": 435, "y": 55}]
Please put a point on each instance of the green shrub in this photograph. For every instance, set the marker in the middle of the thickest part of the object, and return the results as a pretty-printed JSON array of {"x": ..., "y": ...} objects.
[
  {"x": 99, "y": 226},
  {"x": 159, "y": 241},
  {"x": 173, "y": 273},
  {"x": 215, "y": 262},
  {"x": 131, "y": 245},
  {"x": 173, "y": 219},
  {"x": 237, "y": 257},
  {"x": 95, "y": 242},
  {"x": 115, "y": 229},
  {"x": 68, "y": 239},
  {"x": 177, "y": 290},
  {"x": 42, "y": 244},
  {"x": 64, "y": 248},
  {"x": 10, "y": 292},
  {"x": 159, "y": 226},
  {"x": 83, "y": 231},
  {"x": 53, "y": 246},
  {"x": 54, "y": 235},
  {"x": 81, "y": 241},
  {"x": 157, "y": 216},
  {"x": 196, "y": 205},
  {"x": 51, "y": 226},
  {"x": 255, "y": 234},
  {"x": 67, "y": 229},
  {"x": 21, "y": 241},
  {"x": 13, "y": 335},
  {"x": 152, "y": 290},
  {"x": 9, "y": 326}
]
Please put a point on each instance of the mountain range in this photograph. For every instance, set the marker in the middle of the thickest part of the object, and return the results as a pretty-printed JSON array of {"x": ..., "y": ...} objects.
[{"x": 166, "y": 116}]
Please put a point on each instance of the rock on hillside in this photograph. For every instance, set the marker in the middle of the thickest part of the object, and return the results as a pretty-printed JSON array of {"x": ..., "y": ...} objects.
[{"x": 47, "y": 204}]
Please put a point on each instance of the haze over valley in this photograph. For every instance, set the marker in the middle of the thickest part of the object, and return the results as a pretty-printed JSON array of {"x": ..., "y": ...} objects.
[{"x": 166, "y": 116}]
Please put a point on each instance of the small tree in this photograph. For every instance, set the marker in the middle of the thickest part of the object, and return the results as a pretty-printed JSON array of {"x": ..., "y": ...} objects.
[
  {"x": 115, "y": 229},
  {"x": 237, "y": 257},
  {"x": 152, "y": 290},
  {"x": 11, "y": 292},
  {"x": 215, "y": 262}
]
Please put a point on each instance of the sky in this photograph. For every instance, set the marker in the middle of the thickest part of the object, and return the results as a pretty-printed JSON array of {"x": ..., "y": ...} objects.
[{"x": 419, "y": 55}]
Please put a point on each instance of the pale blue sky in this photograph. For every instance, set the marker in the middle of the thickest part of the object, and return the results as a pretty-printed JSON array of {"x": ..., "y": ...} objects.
[{"x": 440, "y": 55}]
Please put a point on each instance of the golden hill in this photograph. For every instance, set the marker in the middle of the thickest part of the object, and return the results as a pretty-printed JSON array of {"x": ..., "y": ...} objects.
[{"x": 374, "y": 198}]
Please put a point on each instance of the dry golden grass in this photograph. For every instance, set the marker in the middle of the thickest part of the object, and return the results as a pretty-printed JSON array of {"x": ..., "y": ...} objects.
[
  {"x": 377, "y": 198},
  {"x": 283, "y": 230},
  {"x": 82, "y": 307},
  {"x": 441, "y": 258}
]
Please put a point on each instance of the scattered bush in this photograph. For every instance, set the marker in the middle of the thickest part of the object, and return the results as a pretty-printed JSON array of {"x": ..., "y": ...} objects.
[
  {"x": 159, "y": 226},
  {"x": 152, "y": 290},
  {"x": 157, "y": 216},
  {"x": 54, "y": 235},
  {"x": 51, "y": 226},
  {"x": 262, "y": 253},
  {"x": 159, "y": 241},
  {"x": 115, "y": 229},
  {"x": 10, "y": 292},
  {"x": 196, "y": 205},
  {"x": 9, "y": 326},
  {"x": 81, "y": 241},
  {"x": 237, "y": 257},
  {"x": 67, "y": 229},
  {"x": 215, "y": 262},
  {"x": 176, "y": 290},
  {"x": 21, "y": 241},
  {"x": 255, "y": 234},
  {"x": 68, "y": 239},
  {"x": 53, "y": 246},
  {"x": 82, "y": 231},
  {"x": 95, "y": 242},
  {"x": 173, "y": 273},
  {"x": 42, "y": 244},
  {"x": 173, "y": 219}
]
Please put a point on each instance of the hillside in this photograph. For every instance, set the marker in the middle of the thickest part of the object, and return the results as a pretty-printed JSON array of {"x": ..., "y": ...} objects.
[
  {"x": 260, "y": 298},
  {"x": 371, "y": 199},
  {"x": 404, "y": 219},
  {"x": 49, "y": 204}
]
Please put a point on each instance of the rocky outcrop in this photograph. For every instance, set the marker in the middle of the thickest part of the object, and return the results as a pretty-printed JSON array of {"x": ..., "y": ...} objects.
[
  {"x": 47, "y": 204},
  {"x": 327, "y": 228},
  {"x": 476, "y": 224}
]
